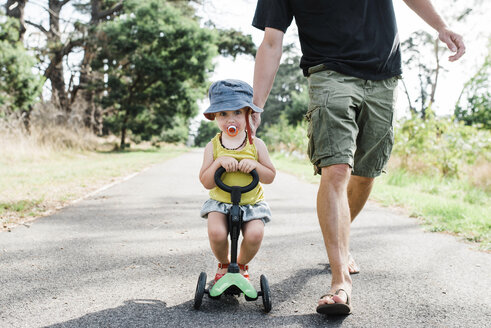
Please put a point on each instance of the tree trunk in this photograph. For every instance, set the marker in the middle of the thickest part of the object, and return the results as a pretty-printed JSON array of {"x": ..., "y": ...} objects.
[
  {"x": 58, "y": 93},
  {"x": 55, "y": 70},
  {"x": 26, "y": 119},
  {"x": 91, "y": 110},
  {"x": 437, "y": 71},
  {"x": 92, "y": 113},
  {"x": 15, "y": 9},
  {"x": 123, "y": 136},
  {"x": 123, "y": 130},
  {"x": 406, "y": 91},
  {"x": 423, "y": 96}
]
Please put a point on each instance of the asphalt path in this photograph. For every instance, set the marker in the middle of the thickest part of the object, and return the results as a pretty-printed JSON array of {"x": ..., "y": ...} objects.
[{"x": 130, "y": 256}]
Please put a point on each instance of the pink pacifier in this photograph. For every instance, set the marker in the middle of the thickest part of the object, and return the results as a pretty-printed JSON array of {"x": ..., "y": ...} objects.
[{"x": 232, "y": 131}]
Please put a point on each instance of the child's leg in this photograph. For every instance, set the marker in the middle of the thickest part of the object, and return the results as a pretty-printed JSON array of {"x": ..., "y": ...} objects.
[
  {"x": 218, "y": 235},
  {"x": 252, "y": 232}
]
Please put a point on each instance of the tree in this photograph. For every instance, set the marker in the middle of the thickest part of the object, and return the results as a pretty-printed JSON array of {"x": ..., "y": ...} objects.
[
  {"x": 231, "y": 42},
  {"x": 289, "y": 80},
  {"x": 57, "y": 48},
  {"x": 19, "y": 86},
  {"x": 422, "y": 53},
  {"x": 297, "y": 108},
  {"x": 476, "y": 106},
  {"x": 155, "y": 60},
  {"x": 15, "y": 9},
  {"x": 99, "y": 11},
  {"x": 206, "y": 131},
  {"x": 427, "y": 67}
]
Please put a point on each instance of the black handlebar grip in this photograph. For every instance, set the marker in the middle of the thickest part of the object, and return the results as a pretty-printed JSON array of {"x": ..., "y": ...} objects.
[{"x": 224, "y": 187}]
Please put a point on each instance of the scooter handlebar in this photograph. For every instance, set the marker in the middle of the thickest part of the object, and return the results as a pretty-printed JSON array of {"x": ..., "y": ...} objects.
[{"x": 223, "y": 186}]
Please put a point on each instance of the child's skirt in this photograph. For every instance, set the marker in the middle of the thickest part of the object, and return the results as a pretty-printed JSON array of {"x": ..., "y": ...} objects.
[{"x": 258, "y": 211}]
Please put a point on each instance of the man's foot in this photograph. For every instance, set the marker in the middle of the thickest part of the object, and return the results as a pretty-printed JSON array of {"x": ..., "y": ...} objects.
[
  {"x": 353, "y": 268},
  {"x": 335, "y": 303}
]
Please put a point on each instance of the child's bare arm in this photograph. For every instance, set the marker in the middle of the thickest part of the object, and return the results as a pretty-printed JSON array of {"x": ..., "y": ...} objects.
[
  {"x": 264, "y": 167},
  {"x": 209, "y": 167},
  {"x": 206, "y": 174}
]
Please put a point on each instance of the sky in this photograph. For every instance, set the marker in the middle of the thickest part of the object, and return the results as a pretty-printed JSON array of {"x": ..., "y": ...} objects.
[{"x": 240, "y": 14}]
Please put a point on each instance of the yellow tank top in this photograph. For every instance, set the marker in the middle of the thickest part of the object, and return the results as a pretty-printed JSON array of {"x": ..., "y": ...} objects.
[{"x": 236, "y": 178}]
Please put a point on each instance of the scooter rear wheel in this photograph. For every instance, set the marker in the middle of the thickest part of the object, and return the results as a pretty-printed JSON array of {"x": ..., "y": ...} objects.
[
  {"x": 265, "y": 294},
  {"x": 200, "y": 290}
]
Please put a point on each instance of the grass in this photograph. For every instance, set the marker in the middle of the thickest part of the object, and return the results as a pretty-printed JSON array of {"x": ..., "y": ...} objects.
[
  {"x": 36, "y": 185},
  {"x": 300, "y": 167},
  {"x": 442, "y": 205}
]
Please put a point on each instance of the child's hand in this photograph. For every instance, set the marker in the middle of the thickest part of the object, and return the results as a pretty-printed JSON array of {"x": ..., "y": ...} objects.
[
  {"x": 230, "y": 164},
  {"x": 247, "y": 165}
]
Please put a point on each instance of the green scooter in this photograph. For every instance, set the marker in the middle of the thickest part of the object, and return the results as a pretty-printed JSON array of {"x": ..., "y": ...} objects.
[{"x": 233, "y": 283}]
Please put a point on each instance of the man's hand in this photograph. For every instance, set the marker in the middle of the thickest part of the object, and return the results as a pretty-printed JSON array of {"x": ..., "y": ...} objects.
[
  {"x": 247, "y": 165},
  {"x": 425, "y": 10},
  {"x": 255, "y": 121},
  {"x": 453, "y": 41},
  {"x": 230, "y": 164}
]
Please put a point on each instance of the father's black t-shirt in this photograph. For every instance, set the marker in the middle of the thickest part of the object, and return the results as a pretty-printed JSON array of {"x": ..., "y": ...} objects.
[{"x": 353, "y": 37}]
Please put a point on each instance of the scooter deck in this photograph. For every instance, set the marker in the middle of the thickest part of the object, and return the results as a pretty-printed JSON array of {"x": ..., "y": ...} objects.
[{"x": 233, "y": 279}]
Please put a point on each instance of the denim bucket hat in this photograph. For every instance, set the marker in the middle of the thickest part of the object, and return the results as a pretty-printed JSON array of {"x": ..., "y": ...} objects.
[{"x": 228, "y": 95}]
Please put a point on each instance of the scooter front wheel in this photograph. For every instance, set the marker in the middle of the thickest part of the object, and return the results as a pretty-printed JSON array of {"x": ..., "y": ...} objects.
[
  {"x": 265, "y": 292},
  {"x": 200, "y": 290}
]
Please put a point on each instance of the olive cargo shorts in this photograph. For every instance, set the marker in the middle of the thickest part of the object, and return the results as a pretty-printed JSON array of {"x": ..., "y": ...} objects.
[{"x": 350, "y": 122}]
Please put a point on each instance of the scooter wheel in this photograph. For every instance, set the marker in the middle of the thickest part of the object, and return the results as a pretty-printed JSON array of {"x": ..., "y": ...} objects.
[
  {"x": 265, "y": 294},
  {"x": 200, "y": 290}
]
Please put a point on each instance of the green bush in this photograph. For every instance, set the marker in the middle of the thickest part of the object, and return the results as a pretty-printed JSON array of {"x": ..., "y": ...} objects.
[
  {"x": 434, "y": 146},
  {"x": 284, "y": 138},
  {"x": 178, "y": 133},
  {"x": 474, "y": 103},
  {"x": 440, "y": 145},
  {"x": 19, "y": 86},
  {"x": 206, "y": 131},
  {"x": 297, "y": 108}
]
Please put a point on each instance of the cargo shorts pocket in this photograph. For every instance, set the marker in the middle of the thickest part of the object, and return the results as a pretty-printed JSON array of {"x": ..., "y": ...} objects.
[
  {"x": 385, "y": 151},
  {"x": 319, "y": 144}
]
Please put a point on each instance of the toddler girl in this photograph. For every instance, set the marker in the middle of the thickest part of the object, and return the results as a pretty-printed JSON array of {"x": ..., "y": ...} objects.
[{"x": 239, "y": 153}]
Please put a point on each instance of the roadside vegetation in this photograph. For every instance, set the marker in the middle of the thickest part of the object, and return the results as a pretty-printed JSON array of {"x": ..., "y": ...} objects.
[
  {"x": 440, "y": 173},
  {"x": 39, "y": 175}
]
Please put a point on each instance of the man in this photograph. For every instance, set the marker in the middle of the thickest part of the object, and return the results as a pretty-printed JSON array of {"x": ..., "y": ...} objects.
[{"x": 351, "y": 56}]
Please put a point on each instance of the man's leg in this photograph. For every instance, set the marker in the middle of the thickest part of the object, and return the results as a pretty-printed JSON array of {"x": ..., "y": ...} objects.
[
  {"x": 374, "y": 143},
  {"x": 359, "y": 189},
  {"x": 334, "y": 219}
]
